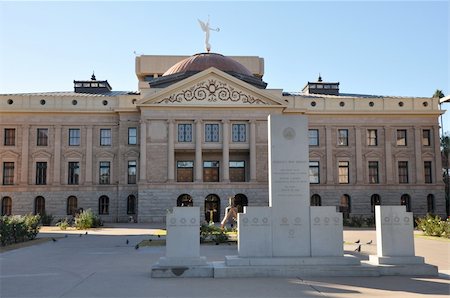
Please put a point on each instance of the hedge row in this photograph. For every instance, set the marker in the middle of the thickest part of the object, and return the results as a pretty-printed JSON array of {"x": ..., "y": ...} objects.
[{"x": 18, "y": 228}]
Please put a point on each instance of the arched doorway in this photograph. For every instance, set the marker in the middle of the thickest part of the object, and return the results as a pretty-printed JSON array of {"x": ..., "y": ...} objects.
[
  {"x": 316, "y": 200},
  {"x": 39, "y": 205},
  {"x": 405, "y": 200},
  {"x": 375, "y": 199},
  {"x": 103, "y": 205},
  {"x": 212, "y": 208},
  {"x": 72, "y": 205},
  {"x": 6, "y": 206},
  {"x": 185, "y": 200},
  {"x": 240, "y": 200},
  {"x": 345, "y": 206}
]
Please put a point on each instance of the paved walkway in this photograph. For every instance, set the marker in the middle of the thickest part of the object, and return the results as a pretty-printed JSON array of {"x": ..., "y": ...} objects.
[{"x": 102, "y": 264}]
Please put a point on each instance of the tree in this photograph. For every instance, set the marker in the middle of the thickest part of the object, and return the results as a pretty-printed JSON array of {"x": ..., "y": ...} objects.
[{"x": 438, "y": 94}]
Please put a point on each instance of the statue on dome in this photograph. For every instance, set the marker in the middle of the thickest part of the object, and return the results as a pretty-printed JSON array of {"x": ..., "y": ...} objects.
[{"x": 205, "y": 27}]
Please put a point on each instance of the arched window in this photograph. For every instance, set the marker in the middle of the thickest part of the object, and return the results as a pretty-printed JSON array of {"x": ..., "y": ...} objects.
[
  {"x": 103, "y": 205},
  {"x": 72, "y": 205},
  {"x": 240, "y": 200},
  {"x": 316, "y": 200},
  {"x": 405, "y": 200},
  {"x": 6, "y": 206},
  {"x": 430, "y": 204},
  {"x": 345, "y": 206},
  {"x": 39, "y": 205},
  {"x": 375, "y": 199},
  {"x": 185, "y": 200},
  {"x": 212, "y": 208},
  {"x": 131, "y": 204}
]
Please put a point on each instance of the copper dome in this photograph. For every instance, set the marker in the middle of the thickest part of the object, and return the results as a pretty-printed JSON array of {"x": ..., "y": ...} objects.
[{"x": 202, "y": 61}]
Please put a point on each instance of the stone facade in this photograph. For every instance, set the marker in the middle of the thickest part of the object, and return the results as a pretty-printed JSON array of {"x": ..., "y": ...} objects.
[{"x": 209, "y": 97}]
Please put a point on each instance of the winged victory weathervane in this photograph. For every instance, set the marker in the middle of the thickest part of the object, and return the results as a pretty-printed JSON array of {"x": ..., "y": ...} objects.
[{"x": 205, "y": 27}]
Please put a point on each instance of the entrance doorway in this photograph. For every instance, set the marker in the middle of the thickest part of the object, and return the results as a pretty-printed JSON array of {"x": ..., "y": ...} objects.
[
  {"x": 185, "y": 200},
  {"x": 240, "y": 200},
  {"x": 212, "y": 208}
]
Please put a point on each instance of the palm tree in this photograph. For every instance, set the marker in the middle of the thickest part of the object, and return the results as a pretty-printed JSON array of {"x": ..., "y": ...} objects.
[{"x": 438, "y": 94}]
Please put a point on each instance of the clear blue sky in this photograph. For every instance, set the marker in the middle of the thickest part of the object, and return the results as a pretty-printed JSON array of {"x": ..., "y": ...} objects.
[{"x": 382, "y": 48}]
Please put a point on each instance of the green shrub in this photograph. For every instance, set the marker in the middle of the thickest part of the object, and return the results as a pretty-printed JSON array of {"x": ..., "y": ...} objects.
[
  {"x": 86, "y": 220},
  {"x": 212, "y": 233},
  {"x": 18, "y": 228},
  {"x": 433, "y": 225},
  {"x": 370, "y": 221},
  {"x": 63, "y": 224},
  {"x": 46, "y": 219}
]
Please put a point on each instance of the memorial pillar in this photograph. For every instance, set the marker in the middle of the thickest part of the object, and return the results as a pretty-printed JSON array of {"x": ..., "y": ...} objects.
[
  {"x": 198, "y": 151},
  {"x": 225, "y": 151}
]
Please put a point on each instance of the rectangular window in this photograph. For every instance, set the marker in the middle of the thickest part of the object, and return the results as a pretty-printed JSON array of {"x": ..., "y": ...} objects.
[
  {"x": 74, "y": 173},
  {"x": 343, "y": 137},
  {"x": 426, "y": 137},
  {"x": 237, "y": 171},
  {"x": 74, "y": 137},
  {"x": 314, "y": 176},
  {"x": 105, "y": 137},
  {"x": 401, "y": 137},
  {"x": 211, "y": 171},
  {"x": 105, "y": 172},
  {"x": 42, "y": 137},
  {"x": 211, "y": 132},
  {"x": 343, "y": 172},
  {"x": 132, "y": 135},
  {"x": 313, "y": 137},
  {"x": 185, "y": 171},
  {"x": 373, "y": 172},
  {"x": 427, "y": 170},
  {"x": 41, "y": 173},
  {"x": 8, "y": 173},
  {"x": 372, "y": 137},
  {"x": 132, "y": 167},
  {"x": 239, "y": 132},
  {"x": 10, "y": 137},
  {"x": 184, "y": 132},
  {"x": 402, "y": 172}
]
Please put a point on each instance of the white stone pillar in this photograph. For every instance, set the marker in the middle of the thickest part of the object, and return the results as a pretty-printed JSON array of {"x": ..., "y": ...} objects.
[
  {"x": 388, "y": 154},
  {"x": 329, "y": 148},
  {"x": 57, "y": 156},
  {"x": 198, "y": 151},
  {"x": 143, "y": 153},
  {"x": 171, "y": 152},
  {"x": 359, "y": 159},
  {"x": 252, "y": 150},
  {"x": 420, "y": 179},
  {"x": 88, "y": 173},
  {"x": 225, "y": 151},
  {"x": 25, "y": 146}
]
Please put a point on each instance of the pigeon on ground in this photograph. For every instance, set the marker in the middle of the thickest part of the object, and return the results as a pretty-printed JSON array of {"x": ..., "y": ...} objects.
[
  {"x": 358, "y": 249},
  {"x": 159, "y": 236},
  {"x": 54, "y": 240},
  {"x": 127, "y": 241},
  {"x": 137, "y": 246},
  {"x": 65, "y": 236},
  {"x": 86, "y": 233},
  {"x": 358, "y": 241},
  {"x": 370, "y": 242}
]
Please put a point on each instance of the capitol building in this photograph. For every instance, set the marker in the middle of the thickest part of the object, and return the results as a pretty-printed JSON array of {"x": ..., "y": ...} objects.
[{"x": 195, "y": 134}]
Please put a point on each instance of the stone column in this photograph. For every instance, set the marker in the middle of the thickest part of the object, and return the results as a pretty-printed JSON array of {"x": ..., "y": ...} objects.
[
  {"x": 143, "y": 153},
  {"x": 198, "y": 151},
  {"x": 435, "y": 141},
  {"x": 359, "y": 160},
  {"x": 25, "y": 145},
  {"x": 252, "y": 150},
  {"x": 329, "y": 149},
  {"x": 225, "y": 151},
  {"x": 388, "y": 154},
  {"x": 420, "y": 179},
  {"x": 88, "y": 179},
  {"x": 171, "y": 152},
  {"x": 57, "y": 156}
]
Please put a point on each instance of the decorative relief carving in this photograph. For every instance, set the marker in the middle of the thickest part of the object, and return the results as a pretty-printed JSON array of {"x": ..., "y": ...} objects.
[{"x": 212, "y": 91}]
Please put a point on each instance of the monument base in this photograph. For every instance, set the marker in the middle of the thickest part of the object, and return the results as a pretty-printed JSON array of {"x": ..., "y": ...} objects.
[
  {"x": 182, "y": 267},
  {"x": 408, "y": 265}
]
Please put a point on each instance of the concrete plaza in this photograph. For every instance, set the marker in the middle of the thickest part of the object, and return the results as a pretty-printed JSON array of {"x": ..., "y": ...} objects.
[{"x": 102, "y": 264}]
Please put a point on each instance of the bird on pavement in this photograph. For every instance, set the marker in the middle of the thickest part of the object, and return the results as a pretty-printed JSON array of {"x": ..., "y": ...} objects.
[
  {"x": 80, "y": 235},
  {"x": 358, "y": 241},
  {"x": 159, "y": 236},
  {"x": 86, "y": 233},
  {"x": 65, "y": 236},
  {"x": 127, "y": 241},
  {"x": 54, "y": 240},
  {"x": 370, "y": 242},
  {"x": 137, "y": 246},
  {"x": 358, "y": 249}
]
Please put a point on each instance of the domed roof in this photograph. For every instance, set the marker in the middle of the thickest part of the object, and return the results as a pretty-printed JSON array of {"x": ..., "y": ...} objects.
[{"x": 202, "y": 61}]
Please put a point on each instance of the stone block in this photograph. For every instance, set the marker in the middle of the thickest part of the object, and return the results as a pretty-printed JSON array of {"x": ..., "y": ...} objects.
[
  {"x": 326, "y": 232},
  {"x": 255, "y": 232},
  {"x": 183, "y": 232}
]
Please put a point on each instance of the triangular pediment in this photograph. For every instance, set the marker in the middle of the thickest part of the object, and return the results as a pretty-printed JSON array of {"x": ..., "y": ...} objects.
[
  {"x": 212, "y": 87},
  {"x": 73, "y": 154},
  {"x": 10, "y": 154},
  {"x": 41, "y": 154}
]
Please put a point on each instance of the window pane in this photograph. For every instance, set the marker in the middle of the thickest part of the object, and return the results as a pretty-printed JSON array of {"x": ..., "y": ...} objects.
[
  {"x": 184, "y": 132},
  {"x": 74, "y": 173},
  {"x": 104, "y": 172},
  {"x": 132, "y": 172},
  {"x": 426, "y": 137},
  {"x": 41, "y": 173},
  {"x": 403, "y": 172},
  {"x": 372, "y": 137},
  {"x": 211, "y": 171},
  {"x": 428, "y": 172},
  {"x": 313, "y": 137},
  {"x": 42, "y": 137},
  {"x": 105, "y": 137},
  {"x": 314, "y": 176},
  {"x": 74, "y": 137},
  {"x": 8, "y": 173},
  {"x": 237, "y": 171},
  {"x": 10, "y": 137},
  {"x": 211, "y": 132},
  {"x": 401, "y": 137},
  {"x": 373, "y": 172},
  {"x": 132, "y": 135},
  {"x": 343, "y": 137},
  {"x": 239, "y": 133},
  {"x": 343, "y": 172}
]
